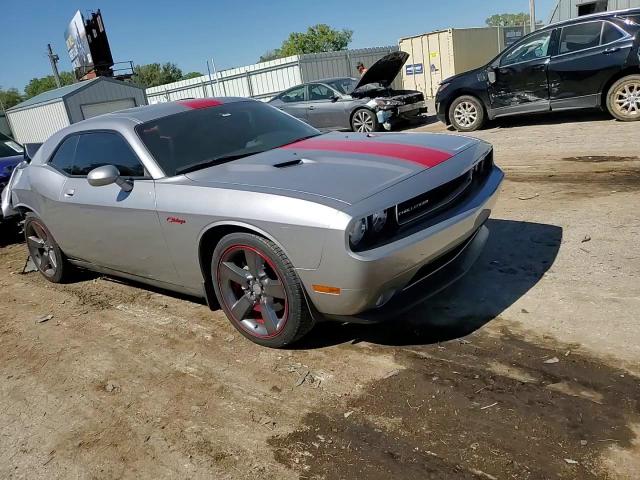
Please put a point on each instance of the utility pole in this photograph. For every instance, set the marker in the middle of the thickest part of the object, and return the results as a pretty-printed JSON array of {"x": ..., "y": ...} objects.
[
  {"x": 532, "y": 14},
  {"x": 53, "y": 58}
]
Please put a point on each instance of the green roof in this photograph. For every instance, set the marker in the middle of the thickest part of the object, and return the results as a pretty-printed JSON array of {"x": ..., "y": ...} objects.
[{"x": 52, "y": 95}]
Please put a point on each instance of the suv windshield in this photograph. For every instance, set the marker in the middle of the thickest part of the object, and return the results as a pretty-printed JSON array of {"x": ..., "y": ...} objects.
[{"x": 205, "y": 137}]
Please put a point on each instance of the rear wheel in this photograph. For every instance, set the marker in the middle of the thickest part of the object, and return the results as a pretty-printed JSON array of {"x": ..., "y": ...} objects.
[
  {"x": 44, "y": 251},
  {"x": 623, "y": 99},
  {"x": 364, "y": 120},
  {"x": 259, "y": 290},
  {"x": 466, "y": 114}
]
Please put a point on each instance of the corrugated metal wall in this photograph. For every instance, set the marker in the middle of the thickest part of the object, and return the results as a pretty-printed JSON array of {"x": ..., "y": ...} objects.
[
  {"x": 318, "y": 66},
  {"x": 36, "y": 124},
  {"x": 266, "y": 79},
  {"x": 568, "y": 9},
  {"x": 99, "y": 92}
]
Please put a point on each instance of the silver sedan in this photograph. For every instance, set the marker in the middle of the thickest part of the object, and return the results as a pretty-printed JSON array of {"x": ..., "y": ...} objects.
[{"x": 239, "y": 203}]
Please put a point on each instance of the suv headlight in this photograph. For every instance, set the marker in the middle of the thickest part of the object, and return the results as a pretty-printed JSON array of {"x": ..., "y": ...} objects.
[{"x": 442, "y": 87}]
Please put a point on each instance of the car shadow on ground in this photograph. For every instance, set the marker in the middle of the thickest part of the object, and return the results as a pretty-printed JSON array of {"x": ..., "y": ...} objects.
[{"x": 515, "y": 258}]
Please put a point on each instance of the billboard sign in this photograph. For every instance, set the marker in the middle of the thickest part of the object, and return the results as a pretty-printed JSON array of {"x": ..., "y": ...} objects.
[{"x": 78, "y": 45}]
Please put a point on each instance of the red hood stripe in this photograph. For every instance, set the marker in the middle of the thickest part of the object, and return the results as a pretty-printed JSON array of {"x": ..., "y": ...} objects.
[
  {"x": 425, "y": 156},
  {"x": 201, "y": 103}
]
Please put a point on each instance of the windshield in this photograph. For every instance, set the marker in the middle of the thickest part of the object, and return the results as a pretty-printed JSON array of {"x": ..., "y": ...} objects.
[
  {"x": 343, "y": 85},
  {"x": 210, "y": 136},
  {"x": 9, "y": 148}
]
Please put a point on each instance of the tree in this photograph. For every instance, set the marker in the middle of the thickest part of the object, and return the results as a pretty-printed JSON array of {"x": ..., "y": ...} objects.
[
  {"x": 36, "y": 86},
  {"x": 9, "y": 97},
  {"x": 154, "y": 74},
  {"x": 189, "y": 75},
  {"x": 318, "y": 38},
  {"x": 508, "y": 19}
]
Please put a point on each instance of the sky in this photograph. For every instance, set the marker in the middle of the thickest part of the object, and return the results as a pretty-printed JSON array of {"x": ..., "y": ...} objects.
[{"x": 233, "y": 32}]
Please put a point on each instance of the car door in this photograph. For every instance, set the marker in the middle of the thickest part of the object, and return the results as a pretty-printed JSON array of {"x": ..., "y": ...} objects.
[
  {"x": 588, "y": 55},
  {"x": 294, "y": 102},
  {"x": 105, "y": 225},
  {"x": 521, "y": 84},
  {"x": 326, "y": 109}
]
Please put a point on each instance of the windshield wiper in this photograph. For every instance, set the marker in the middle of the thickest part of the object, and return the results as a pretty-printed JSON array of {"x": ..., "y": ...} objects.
[{"x": 213, "y": 162}]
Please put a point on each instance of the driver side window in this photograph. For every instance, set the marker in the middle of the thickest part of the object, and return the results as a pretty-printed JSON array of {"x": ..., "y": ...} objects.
[
  {"x": 294, "y": 95},
  {"x": 534, "y": 47},
  {"x": 97, "y": 149}
]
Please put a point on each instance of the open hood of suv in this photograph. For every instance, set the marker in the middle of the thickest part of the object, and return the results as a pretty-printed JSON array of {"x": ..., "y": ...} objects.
[{"x": 384, "y": 70}]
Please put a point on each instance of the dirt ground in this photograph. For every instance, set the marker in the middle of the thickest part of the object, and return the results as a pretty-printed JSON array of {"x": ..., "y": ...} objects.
[{"x": 528, "y": 368}]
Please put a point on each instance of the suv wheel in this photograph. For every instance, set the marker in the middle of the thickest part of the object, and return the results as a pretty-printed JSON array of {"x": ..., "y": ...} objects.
[
  {"x": 623, "y": 99},
  {"x": 466, "y": 114},
  {"x": 259, "y": 290}
]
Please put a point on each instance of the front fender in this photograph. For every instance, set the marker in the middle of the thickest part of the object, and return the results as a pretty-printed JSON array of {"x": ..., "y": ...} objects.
[{"x": 8, "y": 203}]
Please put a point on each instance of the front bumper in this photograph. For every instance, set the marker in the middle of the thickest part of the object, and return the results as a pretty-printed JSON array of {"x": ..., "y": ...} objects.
[{"x": 369, "y": 280}]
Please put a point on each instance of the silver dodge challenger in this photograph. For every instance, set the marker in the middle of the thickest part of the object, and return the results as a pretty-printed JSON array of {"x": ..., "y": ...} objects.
[{"x": 239, "y": 203}]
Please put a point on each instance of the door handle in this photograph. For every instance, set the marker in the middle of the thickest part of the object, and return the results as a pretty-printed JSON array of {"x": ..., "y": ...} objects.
[
  {"x": 70, "y": 193},
  {"x": 611, "y": 50},
  {"x": 311, "y": 107}
]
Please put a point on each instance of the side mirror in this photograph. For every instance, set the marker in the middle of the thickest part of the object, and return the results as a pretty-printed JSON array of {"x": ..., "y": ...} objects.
[
  {"x": 106, "y": 175},
  {"x": 335, "y": 98},
  {"x": 491, "y": 75}
]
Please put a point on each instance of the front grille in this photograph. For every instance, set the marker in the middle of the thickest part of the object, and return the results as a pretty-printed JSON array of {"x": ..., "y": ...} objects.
[{"x": 434, "y": 201}]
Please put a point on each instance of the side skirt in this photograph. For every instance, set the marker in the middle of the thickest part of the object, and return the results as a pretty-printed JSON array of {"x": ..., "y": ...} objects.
[{"x": 135, "y": 278}]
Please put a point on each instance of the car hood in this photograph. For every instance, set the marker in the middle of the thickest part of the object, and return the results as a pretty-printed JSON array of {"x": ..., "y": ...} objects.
[
  {"x": 7, "y": 164},
  {"x": 384, "y": 70},
  {"x": 343, "y": 167},
  {"x": 469, "y": 73}
]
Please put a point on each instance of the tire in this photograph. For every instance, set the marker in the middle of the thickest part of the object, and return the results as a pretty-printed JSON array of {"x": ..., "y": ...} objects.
[
  {"x": 364, "y": 120},
  {"x": 623, "y": 99},
  {"x": 271, "y": 312},
  {"x": 466, "y": 114},
  {"x": 44, "y": 250}
]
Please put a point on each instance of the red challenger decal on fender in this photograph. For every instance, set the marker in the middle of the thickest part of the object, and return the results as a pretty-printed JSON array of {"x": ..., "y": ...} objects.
[
  {"x": 425, "y": 156},
  {"x": 179, "y": 221},
  {"x": 201, "y": 103}
]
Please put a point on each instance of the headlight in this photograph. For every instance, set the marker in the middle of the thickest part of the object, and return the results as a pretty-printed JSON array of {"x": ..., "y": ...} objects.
[
  {"x": 378, "y": 221},
  {"x": 383, "y": 103},
  {"x": 357, "y": 232}
]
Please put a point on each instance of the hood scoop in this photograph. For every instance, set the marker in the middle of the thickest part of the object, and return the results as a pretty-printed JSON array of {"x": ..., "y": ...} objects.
[{"x": 293, "y": 163}]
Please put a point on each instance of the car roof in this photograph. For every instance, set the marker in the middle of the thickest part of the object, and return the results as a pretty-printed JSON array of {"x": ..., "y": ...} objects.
[
  {"x": 147, "y": 113},
  {"x": 593, "y": 16}
]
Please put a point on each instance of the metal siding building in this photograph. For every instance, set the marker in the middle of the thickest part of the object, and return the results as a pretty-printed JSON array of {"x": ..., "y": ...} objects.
[
  {"x": 264, "y": 80},
  {"x": 36, "y": 119},
  {"x": 568, "y": 9}
]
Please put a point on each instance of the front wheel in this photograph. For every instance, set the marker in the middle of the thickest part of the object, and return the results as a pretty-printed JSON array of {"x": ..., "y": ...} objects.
[
  {"x": 364, "y": 120},
  {"x": 623, "y": 99},
  {"x": 466, "y": 114},
  {"x": 259, "y": 290}
]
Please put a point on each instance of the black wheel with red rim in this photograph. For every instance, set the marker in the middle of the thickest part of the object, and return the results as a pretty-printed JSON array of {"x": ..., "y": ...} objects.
[{"x": 259, "y": 291}]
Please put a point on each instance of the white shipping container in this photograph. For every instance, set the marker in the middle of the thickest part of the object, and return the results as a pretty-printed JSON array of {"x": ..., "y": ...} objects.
[{"x": 435, "y": 56}]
